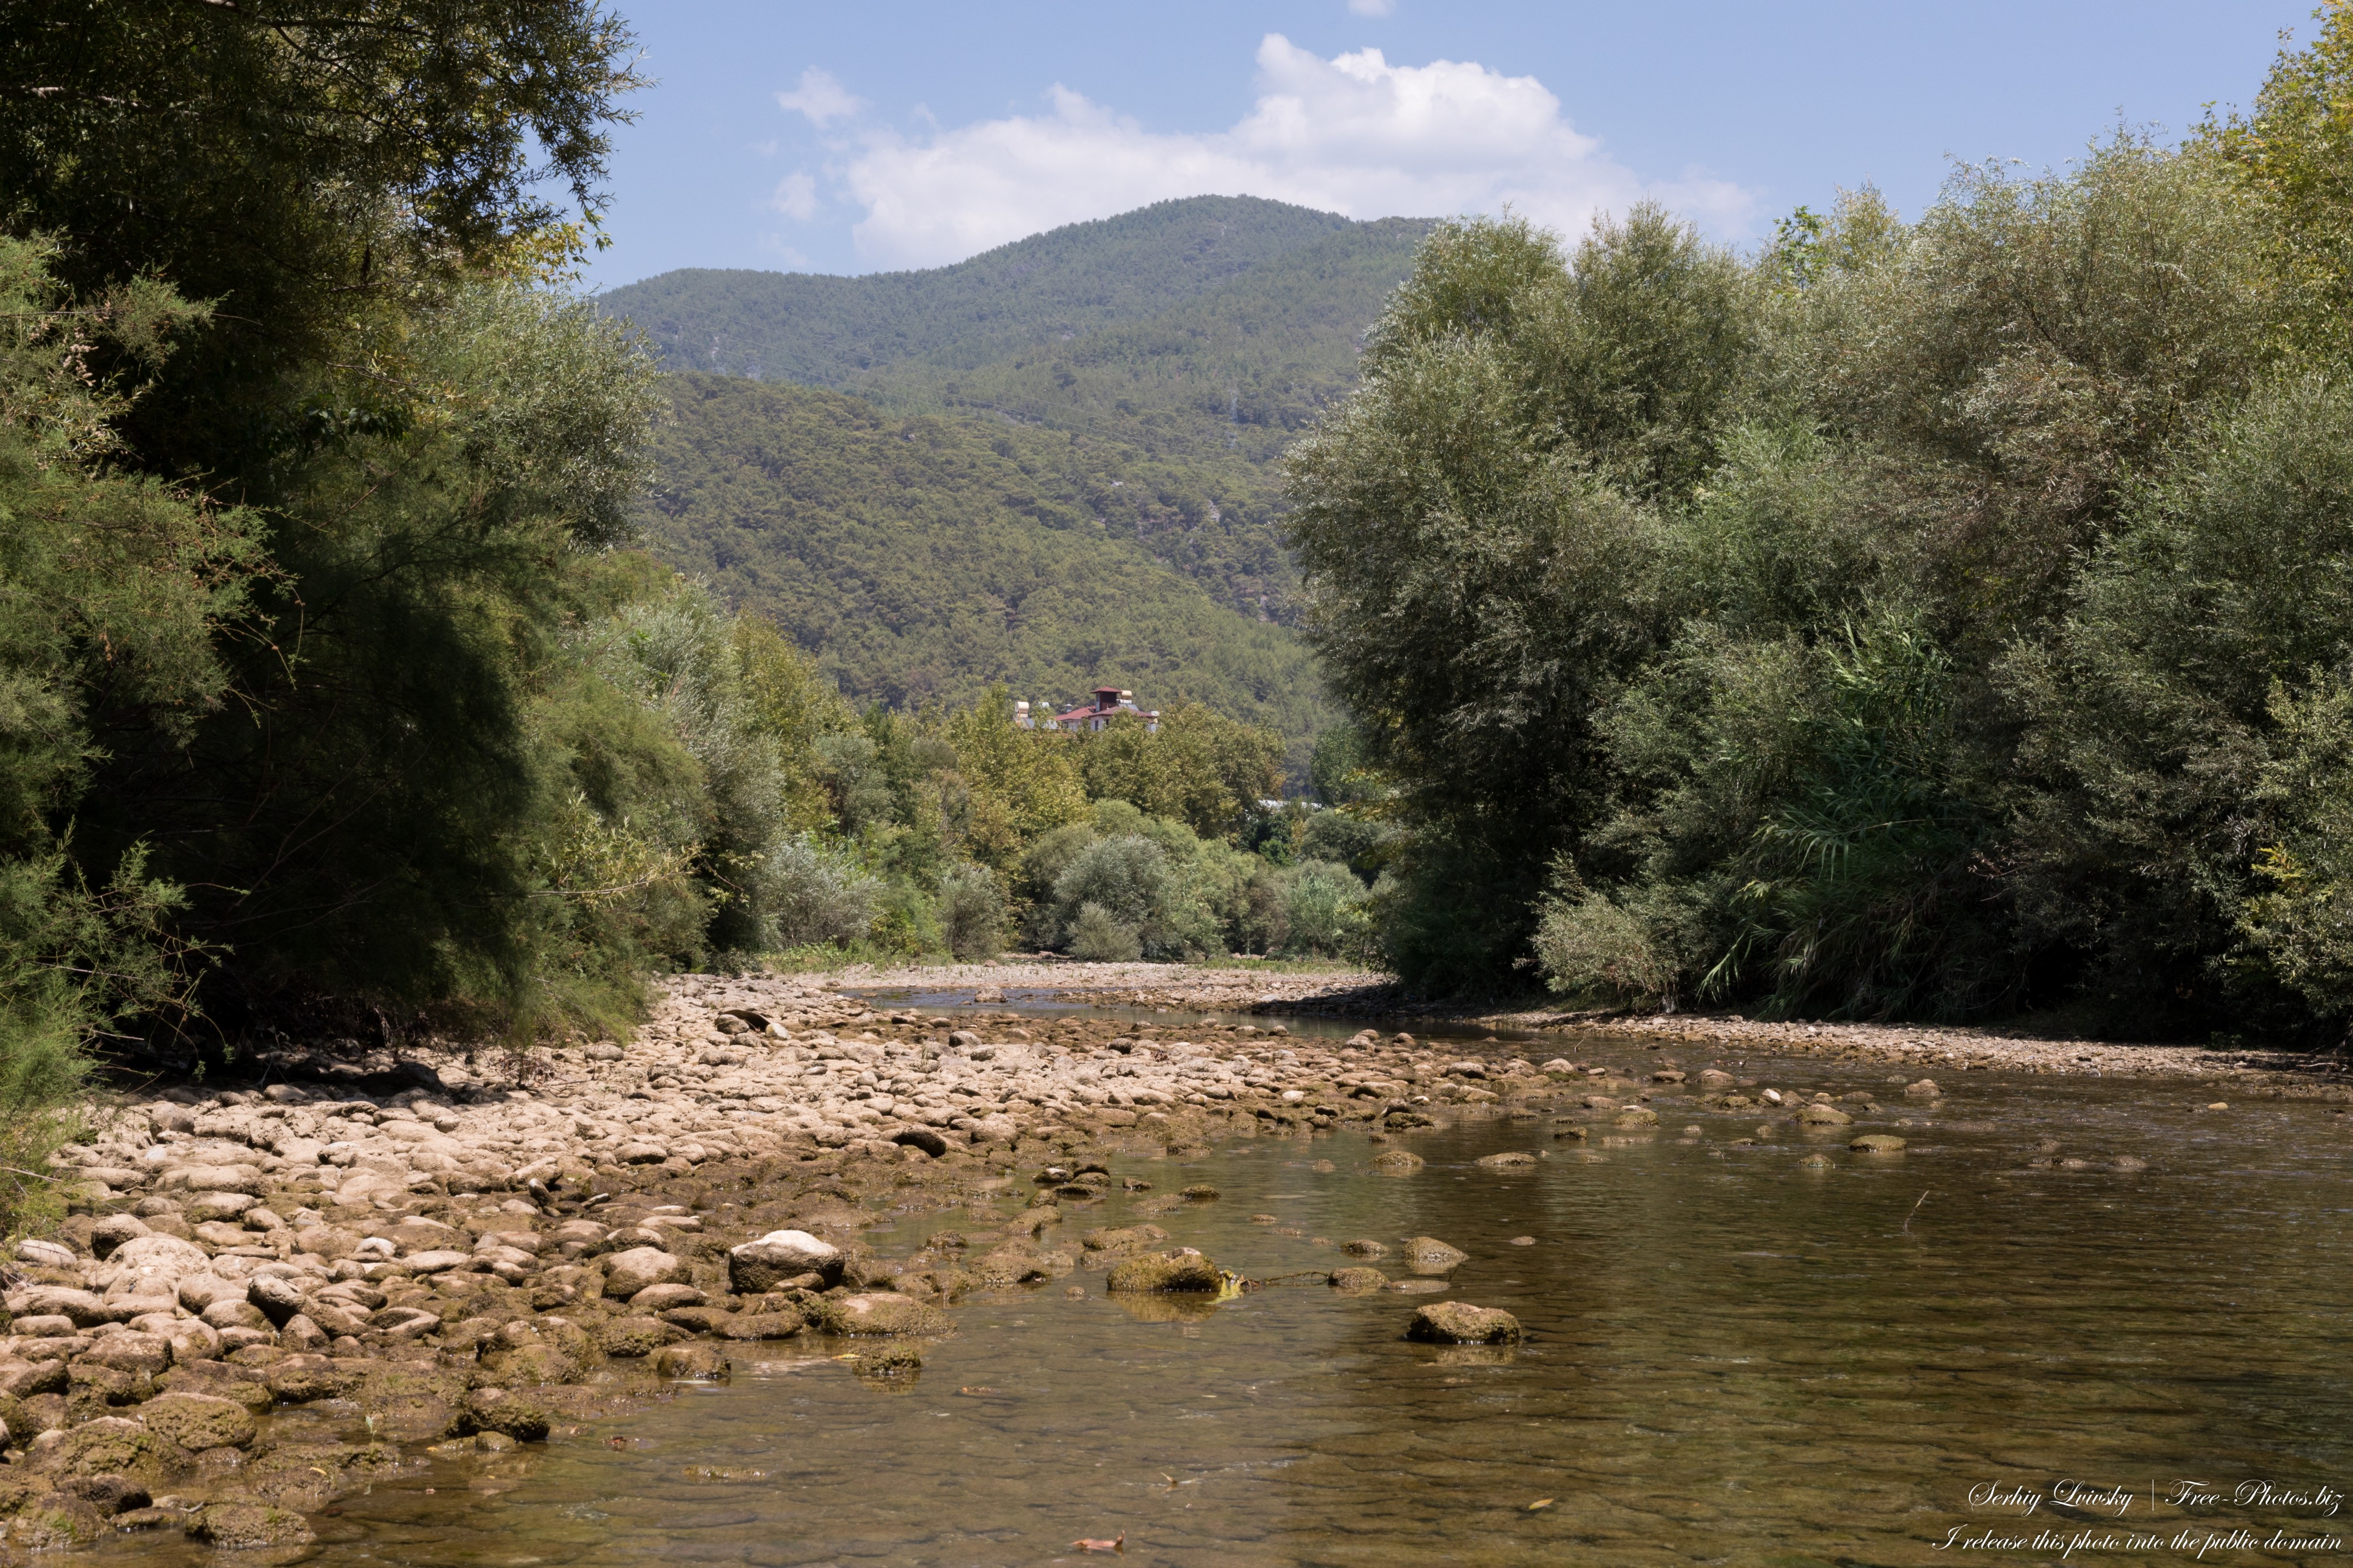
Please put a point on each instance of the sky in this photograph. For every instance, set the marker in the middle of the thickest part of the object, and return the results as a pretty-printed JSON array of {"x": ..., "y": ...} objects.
[{"x": 908, "y": 134}]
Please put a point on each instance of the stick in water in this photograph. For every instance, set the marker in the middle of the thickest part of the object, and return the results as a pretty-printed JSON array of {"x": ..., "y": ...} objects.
[{"x": 1915, "y": 1209}]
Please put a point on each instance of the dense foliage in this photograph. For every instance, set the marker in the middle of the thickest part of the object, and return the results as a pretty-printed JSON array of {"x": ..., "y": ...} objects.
[
  {"x": 1918, "y": 619},
  {"x": 923, "y": 559},
  {"x": 1172, "y": 351}
]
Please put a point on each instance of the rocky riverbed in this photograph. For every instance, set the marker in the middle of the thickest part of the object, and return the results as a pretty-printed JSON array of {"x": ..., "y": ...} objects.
[{"x": 275, "y": 1292}]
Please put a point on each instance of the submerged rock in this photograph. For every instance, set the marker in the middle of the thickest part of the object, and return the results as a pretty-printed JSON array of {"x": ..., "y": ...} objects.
[
  {"x": 1877, "y": 1143},
  {"x": 1396, "y": 1162},
  {"x": 693, "y": 1363},
  {"x": 1460, "y": 1323},
  {"x": 1358, "y": 1281},
  {"x": 1511, "y": 1159}
]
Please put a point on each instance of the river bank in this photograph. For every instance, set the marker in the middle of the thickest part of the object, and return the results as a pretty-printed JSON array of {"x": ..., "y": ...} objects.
[
  {"x": 1272, "y": 994},
  {"x": 278, "y": 1292}
]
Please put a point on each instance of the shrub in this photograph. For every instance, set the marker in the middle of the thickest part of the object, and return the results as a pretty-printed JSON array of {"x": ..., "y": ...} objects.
[
  {"x": 972, "y": 912},
  {"x": 1100, "y": 937},
  {"x": 1326, "y": 910},
  {"x": 1126, "y": 876},
  {"x": 819, "y": 895},
  {"x": 1588, "y": 944}
]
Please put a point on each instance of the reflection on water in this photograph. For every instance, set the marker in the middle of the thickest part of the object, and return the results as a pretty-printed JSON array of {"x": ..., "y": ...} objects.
[{"x": 1730, "y": 1358}]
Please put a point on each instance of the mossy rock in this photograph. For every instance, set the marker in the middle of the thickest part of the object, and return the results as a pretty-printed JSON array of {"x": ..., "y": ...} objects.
[
  {"x": 1815, "y": 1114},
  {"x": 53, "y": 1522},
  {"x": 517, "y": 1415},
  {"x": 300, "y": 1379},
  {"x": 534, "y": 1363},
  {"x": 1397, "y": 1161},
  {"x": 636, "y": 1335},
  {"x": 1460, "y": 1323},
  {"x": 896, "y": 1361},
  {"x": 199, "y": 1421},
  {"x": 747, "y": 1326},
  {"x": 245, "y": 1526},
  {"x": 111, "y": 1446},
  {"x": 1877, "y": 1143},
  {"x": 1123, "y": 1238},
  {"x": 693, "y": 1363},
  {"x": 221, "y": 1381},
  {"x": 1358, "y": 1281},
  {"x": 1427, "y": 1255},
  {"x": 1186, "y": 1271}
]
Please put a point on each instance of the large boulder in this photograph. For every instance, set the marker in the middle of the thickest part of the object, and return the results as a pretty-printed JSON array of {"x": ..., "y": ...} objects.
[
  {"x": 758, "y": 1266},
  {"x": 1460, "y": 1323},
  {"x": 640, "y": 1269}
]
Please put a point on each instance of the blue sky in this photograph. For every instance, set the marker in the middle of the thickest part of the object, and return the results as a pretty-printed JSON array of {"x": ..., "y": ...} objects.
[{"x": 896, "y": 133}]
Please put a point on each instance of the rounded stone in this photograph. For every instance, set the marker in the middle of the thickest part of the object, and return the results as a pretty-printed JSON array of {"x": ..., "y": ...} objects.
[
  {"x": 627, "y": 1273},
  {"x": 758, "y": 1266},
  {"x": 1877, "y": 1143},
  {"x": 1427, "y": 1255},
  {"x": 1460, "y": 1323}
]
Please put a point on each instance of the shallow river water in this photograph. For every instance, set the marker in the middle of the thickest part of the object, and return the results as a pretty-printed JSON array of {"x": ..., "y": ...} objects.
[{"x": 1730, "y": 1358}]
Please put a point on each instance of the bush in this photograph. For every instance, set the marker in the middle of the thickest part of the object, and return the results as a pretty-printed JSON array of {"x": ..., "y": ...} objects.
[
  {"x": 1100, "y": 937},
  {"x": 1588, "y": 944},
  {"x": 1326, "y": 911},
  {"x": 819, "y": 895},
  {"x": 1127, "y": 878},
  {"x": 972, "y": 913}
]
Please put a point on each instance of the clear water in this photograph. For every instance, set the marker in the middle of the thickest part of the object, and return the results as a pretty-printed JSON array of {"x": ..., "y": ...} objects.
[{"x": 1731, "y": 1358}]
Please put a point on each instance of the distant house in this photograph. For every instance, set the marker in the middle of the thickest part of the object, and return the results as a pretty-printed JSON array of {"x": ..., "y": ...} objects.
[{"x": 1110, "y": 703}]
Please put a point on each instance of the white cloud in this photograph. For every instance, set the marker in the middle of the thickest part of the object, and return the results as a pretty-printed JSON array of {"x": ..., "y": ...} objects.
[
  {"x": 795, "y": 197},
  {"x": 1372, "y": 7},
  {"x": 821, "y": 99},
  {"x": 1353, "y": 134}
]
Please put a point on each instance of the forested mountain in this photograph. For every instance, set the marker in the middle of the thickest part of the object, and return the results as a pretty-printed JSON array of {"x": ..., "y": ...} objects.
[
  {"x": 826, "y": 331},
  {"x": 921, "y": 558},
  {"x": 1161, "y": 359}
]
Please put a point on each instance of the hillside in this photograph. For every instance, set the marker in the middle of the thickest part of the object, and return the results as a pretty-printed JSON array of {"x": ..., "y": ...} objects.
[
  {"x": 923, "y": 558},
  {"x": 824, "y": 330},
  {"x": 1051, "y": 464},
  {"x": 1188, "y": 342}
]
